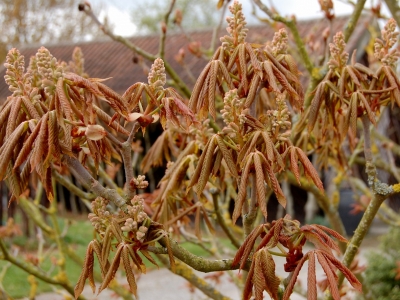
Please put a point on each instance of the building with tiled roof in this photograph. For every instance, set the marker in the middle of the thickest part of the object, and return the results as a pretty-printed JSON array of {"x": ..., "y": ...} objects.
[{"x": 105, "y": 59}]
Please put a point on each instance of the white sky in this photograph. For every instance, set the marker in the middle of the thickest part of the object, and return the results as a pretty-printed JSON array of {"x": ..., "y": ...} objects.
[{"x": 120, "y": 11}]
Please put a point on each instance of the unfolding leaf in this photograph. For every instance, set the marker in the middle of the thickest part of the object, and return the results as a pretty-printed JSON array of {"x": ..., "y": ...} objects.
[
  {"x": 128, "y": 270},
  {"x": 112, "y": 270}
]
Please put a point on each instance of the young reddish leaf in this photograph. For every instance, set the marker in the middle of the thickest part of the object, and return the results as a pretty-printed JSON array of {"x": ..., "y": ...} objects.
[
  {"x": 241, "y": 197},
  {"x": 293, "y": 279},
  {"x": 248, "y": 286},
  {"x": 128, "y": 270},
  {"x": 247, "y": 246},
  {"x": 272, "y": 282},
  {"x": 330, "y": 274},
  {"x": 259, "y": 281},
  {"x": 311, "y": 279}
]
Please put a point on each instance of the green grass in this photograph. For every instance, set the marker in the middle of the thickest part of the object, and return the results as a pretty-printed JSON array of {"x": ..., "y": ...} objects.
[
  {"x": 80, "y": 233},
  {"x": 15, "y": 281}
]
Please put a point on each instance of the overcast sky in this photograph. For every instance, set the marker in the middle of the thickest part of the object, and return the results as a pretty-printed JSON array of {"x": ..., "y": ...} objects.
[{"x": 120, "y": 11}]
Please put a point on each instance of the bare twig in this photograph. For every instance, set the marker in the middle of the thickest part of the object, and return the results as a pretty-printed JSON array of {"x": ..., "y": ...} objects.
[
  {"x": 171, "y": 72},
  {"x": 161, "y": 51},
  {"x": 80, "y": 173}
]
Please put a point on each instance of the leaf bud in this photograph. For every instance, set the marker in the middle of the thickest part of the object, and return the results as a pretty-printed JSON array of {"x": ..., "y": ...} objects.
[{"x": 95, "y": 132}]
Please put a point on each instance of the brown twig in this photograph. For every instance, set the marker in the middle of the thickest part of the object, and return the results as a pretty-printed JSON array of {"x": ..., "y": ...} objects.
[
  {"x": 80, "y": 173},
  {"x": 161, "y": 51},
  {"x": 72, "y": 187}
]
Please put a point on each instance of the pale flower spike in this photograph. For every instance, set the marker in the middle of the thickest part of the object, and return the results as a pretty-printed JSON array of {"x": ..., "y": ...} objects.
[{"x": 157, "y": 78}]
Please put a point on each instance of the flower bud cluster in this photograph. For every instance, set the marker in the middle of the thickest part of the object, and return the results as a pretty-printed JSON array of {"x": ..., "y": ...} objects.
[
  {"x": 100, "y": 216},
  {"x": 279, "y": 43},
  {"x": 136, "y": 210},
  {"x": 17, "y": 81},
  {"x": 157, "y": 77},
  {"x": 236, "y": 27},
  {"x": 381, "y": 47},
  {"x": 233, "y": 109},
  {"x": 232, "y": 106},
  {"x": 201, "y": 132},
  {"x": 48, "y": 69},
  {"x": 78, "y": 61},
  {"x": 139, "y": 182},
  {"x": 281, "y": 116},
  {"x": 137, "y": 216},
  {"x": 338, "y": 52}
]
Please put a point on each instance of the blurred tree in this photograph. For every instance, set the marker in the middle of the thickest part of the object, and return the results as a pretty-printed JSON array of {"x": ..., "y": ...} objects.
[
  {"x": 194, "y": 15},
  {"x": 42, "y": 21}
]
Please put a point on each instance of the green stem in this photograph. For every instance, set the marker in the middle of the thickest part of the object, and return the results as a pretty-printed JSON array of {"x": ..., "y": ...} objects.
[
  {"x": 196, "y": 262},
  {"x": 72, "y": 187},
  {"x": 222, "y": 223},
  {"x": 351, "y": 24}
]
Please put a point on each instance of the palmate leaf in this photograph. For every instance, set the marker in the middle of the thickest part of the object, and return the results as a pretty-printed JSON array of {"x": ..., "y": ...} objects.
[
  {"x": 271, "y": 239},
  {"x": 172, "y": 108},
  {"x": 259, "y": 281},
  {"x": 329, "y": 264},
  {"x": 272, "y": 282},
  {"x": 262, "y": 277},
  {"x": 202, "y": 100},
  {"x": 87, "y": 272},
  {"x": 263, "y": 172},
  {"x": 208, "y": 161},
  {"x": 318, "y": 235},
  {"x": 116, "y": 101},
  {"x": 158, "y": 152}
]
